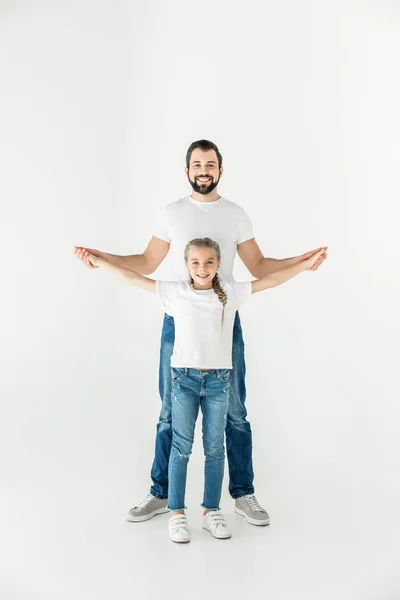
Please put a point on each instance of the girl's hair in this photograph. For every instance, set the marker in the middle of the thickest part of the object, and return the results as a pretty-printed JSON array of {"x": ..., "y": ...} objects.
[{"x": 208, "y": 243}]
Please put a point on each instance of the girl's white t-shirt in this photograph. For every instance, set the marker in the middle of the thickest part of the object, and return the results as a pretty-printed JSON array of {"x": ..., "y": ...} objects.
[
  {"x": 223, "y": 221},
  {"x": 200, "y": 342}
]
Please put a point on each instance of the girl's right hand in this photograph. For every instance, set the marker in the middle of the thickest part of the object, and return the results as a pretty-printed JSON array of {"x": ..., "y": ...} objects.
[
  {"x": 91, "y": 259},
  {"x": 84, "y": 253}
]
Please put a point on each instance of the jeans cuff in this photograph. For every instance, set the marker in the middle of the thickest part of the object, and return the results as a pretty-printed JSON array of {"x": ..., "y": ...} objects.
[
  {"x": 158, "y": 496},
  {"x": 242, "y": 493}
]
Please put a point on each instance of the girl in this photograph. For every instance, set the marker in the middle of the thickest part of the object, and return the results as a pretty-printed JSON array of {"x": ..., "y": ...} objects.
[{"x": 204, "y": 309}]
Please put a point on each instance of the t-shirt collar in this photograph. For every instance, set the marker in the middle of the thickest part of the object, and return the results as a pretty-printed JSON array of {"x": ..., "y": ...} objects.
[{"x": 198, "y": 203}]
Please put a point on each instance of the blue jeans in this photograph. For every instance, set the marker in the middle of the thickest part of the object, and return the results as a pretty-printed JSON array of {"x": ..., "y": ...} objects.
[
  {"x": 237, "y": 433},
  {"x": 192, "y": 389}
]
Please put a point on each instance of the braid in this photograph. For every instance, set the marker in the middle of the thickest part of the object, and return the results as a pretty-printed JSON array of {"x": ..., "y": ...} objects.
[{"x": 222, "y": 296}]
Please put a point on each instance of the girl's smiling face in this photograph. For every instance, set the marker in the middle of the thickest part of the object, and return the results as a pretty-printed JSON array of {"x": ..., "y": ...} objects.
[{"x": 202, "y": 265}]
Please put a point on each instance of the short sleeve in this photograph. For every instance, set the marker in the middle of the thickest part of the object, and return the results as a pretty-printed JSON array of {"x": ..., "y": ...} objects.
[
  {"x": 167, "y": 292},
  {"x": 245, "y": 228},
  {"x": 241, "y": 292},
  {"x": 161, "y": 229}
]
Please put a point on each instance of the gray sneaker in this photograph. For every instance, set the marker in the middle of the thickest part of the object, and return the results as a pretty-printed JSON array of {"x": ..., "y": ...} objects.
[
  {"x": 248, "y": 507},
  {"x": 147, "y": 509}
]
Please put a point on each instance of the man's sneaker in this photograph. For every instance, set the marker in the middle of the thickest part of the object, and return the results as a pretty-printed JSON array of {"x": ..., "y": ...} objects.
[
  {"x": 147, "y": 509},
  {"x": 178, "y": 529},
  {"x": 248, "y": 507},
  {"x": 215, "y": 523}
]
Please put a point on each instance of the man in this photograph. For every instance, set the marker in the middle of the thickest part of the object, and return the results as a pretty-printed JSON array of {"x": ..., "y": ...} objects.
[{"x": 203, "y": 214}]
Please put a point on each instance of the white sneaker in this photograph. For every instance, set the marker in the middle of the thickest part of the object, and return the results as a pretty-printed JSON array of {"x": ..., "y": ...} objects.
[
  {"x": 178, "y": 529},
  {"x": 214, "y": 522}
]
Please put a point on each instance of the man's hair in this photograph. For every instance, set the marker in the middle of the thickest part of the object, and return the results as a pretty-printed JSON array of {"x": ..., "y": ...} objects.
[{"x": 203, "y": 145}]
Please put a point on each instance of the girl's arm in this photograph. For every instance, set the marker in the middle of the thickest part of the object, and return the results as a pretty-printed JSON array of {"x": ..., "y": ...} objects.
[
  {"x": 124, "y": 274},
  {"x": 274, "y": 279}
]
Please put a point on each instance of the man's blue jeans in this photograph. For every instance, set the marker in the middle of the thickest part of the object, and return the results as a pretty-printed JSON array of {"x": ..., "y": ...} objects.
[
  {"x": 237, "y": 433},
  {"x": 192, "y": 389}
]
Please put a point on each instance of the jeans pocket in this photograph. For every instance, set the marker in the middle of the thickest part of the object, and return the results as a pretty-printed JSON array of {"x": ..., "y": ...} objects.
[
  {"x": 224, "y": 375},
  {"x": 177, "y": 374}
]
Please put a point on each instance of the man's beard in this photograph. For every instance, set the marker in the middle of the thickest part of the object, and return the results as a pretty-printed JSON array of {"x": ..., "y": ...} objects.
[{"x": 204, "y": 189}]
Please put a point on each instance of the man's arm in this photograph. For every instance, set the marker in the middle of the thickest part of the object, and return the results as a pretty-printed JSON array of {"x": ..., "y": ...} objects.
[
  {"x": 144, "y": 263},
  {"x": 260, "y": 266}
]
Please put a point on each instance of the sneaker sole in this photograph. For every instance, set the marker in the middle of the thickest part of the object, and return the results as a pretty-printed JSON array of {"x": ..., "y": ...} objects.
[
  {"x": 180, "y": 541},
  {"x": 137, "y": 519},
  {"x": 263, "y": 523},
  {"x": 218, "y": 537}
]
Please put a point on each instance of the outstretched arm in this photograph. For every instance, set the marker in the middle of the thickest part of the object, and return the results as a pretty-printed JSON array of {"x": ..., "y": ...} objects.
[
  {"x": 144, "y": 263},
  {"x": 260, "y": 266},
  {"x": 122, "y": 273},
  {"x": 274, "y": 279}
]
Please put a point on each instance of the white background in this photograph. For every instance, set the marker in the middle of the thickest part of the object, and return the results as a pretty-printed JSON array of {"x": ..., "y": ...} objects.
[{"x": 98, "y": 104}]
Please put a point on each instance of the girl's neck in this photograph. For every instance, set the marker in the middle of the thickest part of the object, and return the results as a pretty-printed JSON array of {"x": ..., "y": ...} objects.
[{"x": 201, "y": 287}]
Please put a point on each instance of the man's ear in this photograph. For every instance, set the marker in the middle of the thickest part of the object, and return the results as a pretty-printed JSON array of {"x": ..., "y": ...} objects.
[
  {"x": 221, "y": 170},
  {"x": 186, "y": 171}
]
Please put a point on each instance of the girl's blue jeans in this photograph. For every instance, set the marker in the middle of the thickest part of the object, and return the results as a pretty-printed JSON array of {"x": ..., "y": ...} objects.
[
  {"x": 238, "y": 432},
  {"x": 192, "y": 389}
]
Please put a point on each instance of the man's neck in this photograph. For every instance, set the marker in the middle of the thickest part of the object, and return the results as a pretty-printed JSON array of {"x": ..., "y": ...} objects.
[{"x": 213, "y": 197}]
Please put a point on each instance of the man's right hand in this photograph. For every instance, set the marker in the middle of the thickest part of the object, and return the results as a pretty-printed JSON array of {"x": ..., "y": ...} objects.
[{"x": 82, "y": 254}]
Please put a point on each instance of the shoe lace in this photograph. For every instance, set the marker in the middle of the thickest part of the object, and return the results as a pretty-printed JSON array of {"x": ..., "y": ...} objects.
[
  {"x": 146, "y": 501},
  {"x": 253, "y": 503}
]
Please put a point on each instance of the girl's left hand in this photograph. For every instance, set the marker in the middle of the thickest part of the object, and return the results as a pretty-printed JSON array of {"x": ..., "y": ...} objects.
[
  {"x": 318, "y": 262},
  {"x": 312, "y": 262}
]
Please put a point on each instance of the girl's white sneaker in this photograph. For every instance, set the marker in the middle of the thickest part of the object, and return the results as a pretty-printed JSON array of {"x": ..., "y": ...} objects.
[
  {"x": 214, "y": 522},
  {"x": 178, "y": 529}
]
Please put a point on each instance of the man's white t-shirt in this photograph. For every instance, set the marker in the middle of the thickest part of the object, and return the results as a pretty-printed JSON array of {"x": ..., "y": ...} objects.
[
  {"x": 200, "y": 342},
  {"x": 223, "y": 221}
]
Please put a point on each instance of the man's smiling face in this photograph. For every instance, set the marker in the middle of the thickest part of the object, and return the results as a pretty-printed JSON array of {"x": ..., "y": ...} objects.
[{"x": 204, "y": 171}]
